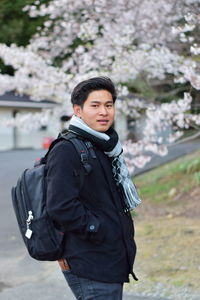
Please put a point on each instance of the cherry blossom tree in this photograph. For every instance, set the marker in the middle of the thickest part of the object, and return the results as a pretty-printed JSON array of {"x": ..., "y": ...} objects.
[
  {"x": 159, "y": 117},
  {"x": 122, "y": 39}
]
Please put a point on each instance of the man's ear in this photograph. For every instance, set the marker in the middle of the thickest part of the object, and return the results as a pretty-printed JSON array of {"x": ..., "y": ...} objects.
[{"x": 77, "y": 110}]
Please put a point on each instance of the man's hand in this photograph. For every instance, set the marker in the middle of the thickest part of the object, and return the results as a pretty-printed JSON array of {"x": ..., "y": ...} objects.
[{"x": 63, "y": 264}]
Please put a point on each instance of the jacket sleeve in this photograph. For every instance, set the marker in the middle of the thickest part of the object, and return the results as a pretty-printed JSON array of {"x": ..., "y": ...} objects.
[{"x": 63, "y": 192}]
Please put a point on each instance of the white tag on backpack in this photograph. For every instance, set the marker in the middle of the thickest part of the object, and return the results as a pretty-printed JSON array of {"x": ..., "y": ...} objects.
[{"x": 28, "y": 233}]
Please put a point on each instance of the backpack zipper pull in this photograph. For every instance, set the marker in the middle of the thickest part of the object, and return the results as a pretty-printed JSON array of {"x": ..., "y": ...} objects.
[{"x": 29, "y": 232}]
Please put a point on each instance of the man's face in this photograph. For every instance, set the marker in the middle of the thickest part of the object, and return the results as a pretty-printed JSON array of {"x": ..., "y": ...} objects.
[{"x": 98, "y": 110}]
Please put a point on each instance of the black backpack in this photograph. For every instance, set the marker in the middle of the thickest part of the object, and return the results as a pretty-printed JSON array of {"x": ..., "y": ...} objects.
[{"x": 41, "y": 236}]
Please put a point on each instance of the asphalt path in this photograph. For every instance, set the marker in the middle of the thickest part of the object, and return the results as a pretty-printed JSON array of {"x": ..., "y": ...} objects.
[
  {"x": 22, "y": 277},
  {"x": 174, "y": 151}
]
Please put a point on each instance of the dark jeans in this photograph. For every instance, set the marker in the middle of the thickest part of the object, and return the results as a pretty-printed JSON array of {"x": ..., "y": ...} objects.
[{"x": 86, "y": 289}]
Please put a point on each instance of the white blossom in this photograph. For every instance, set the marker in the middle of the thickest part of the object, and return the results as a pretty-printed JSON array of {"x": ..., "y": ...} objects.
[{"x": 124, "y": 40}]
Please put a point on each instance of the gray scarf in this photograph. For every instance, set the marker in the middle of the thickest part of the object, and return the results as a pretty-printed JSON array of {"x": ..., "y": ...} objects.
[{"x": 110, "y": 144}]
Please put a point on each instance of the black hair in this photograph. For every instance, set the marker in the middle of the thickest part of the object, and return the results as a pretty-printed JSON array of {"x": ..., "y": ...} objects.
[{"x": 84, "y": 88}]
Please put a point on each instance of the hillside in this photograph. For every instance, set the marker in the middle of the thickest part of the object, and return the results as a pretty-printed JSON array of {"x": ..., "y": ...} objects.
[{"x": 168, "y": 229}]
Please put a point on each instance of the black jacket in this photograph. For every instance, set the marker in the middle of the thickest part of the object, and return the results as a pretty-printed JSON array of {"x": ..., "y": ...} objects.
[{"x": 99, "y": 240}]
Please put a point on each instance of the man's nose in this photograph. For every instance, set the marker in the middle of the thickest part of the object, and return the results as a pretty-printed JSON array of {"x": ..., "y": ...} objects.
[{"x": 103, "y": 110}]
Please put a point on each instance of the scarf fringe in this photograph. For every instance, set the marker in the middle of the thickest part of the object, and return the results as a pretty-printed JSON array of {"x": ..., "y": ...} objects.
[
  {"x": 131, "y": 197},
  {"x": 122, "y": 177}
]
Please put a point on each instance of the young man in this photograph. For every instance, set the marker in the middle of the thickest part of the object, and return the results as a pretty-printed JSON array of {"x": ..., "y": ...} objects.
[{"x": 99, "y": 248}]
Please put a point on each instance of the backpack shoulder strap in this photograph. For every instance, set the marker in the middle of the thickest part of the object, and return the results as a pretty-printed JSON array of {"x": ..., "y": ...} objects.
[
  {"x": 60, "y": 137},
  {"x": 43, "y": 160},
  {"x": 82, "y": 148}
]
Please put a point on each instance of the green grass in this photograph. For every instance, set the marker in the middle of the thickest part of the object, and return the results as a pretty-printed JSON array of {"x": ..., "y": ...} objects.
[{"x": 163, "y": 183}]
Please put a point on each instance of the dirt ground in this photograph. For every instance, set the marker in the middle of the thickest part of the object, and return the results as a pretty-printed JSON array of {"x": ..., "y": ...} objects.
[
  {"x": 185, "y": 204},
  {"x": 168, "y": 242}
]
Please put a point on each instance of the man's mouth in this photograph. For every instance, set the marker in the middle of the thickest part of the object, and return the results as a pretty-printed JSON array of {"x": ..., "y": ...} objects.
[{"x": 103, "y": 121}]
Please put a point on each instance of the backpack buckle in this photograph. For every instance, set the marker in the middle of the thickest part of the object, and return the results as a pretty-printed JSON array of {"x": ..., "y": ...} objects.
[{"x": 84, "y": 160}]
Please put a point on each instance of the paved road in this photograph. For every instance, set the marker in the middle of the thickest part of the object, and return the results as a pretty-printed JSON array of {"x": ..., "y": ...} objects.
[
  {"x": 20, "y": 276},
  {"x": 174, "y": 151}
]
